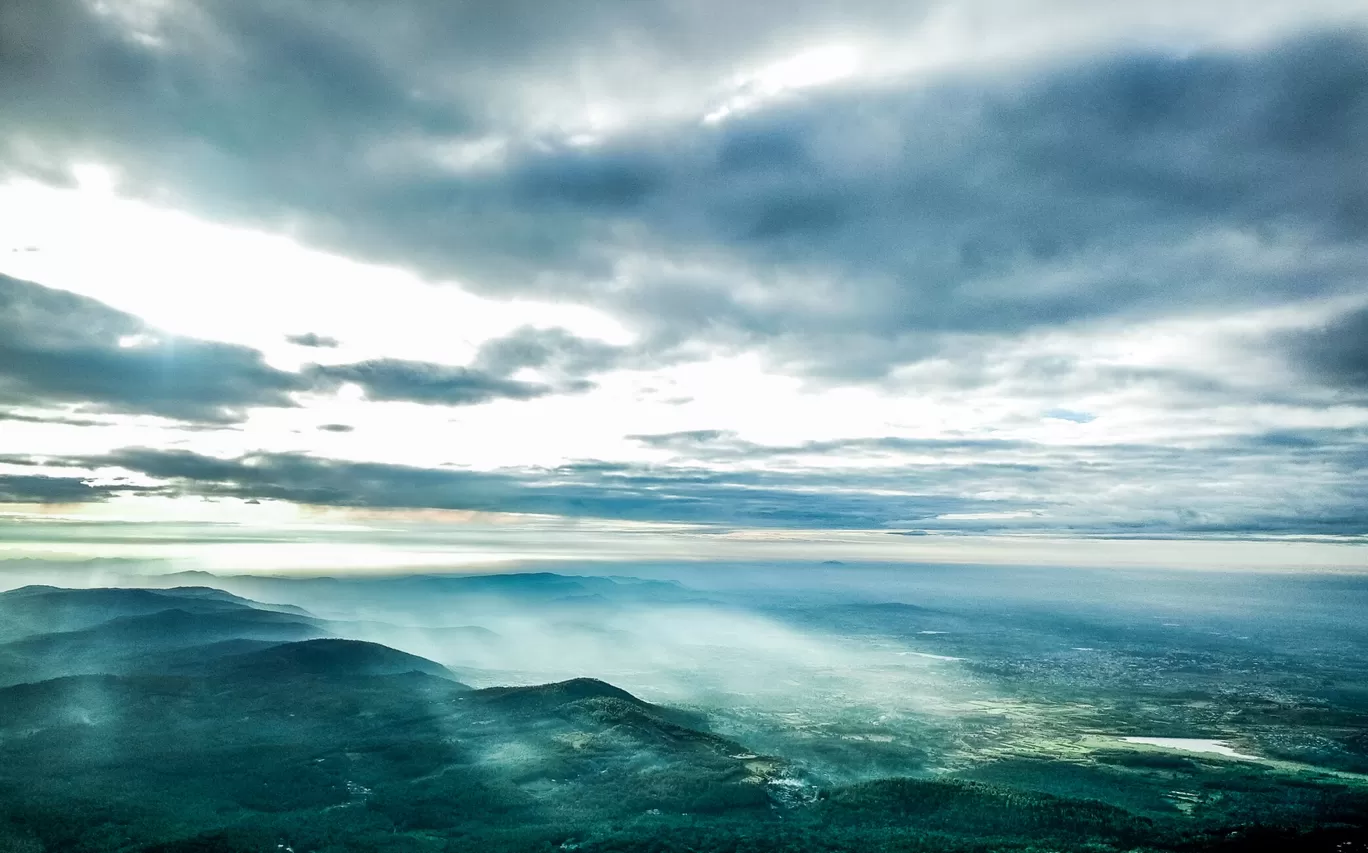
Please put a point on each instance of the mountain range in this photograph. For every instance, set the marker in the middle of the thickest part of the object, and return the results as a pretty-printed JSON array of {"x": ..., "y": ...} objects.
[{"x": 198, "y": 720}]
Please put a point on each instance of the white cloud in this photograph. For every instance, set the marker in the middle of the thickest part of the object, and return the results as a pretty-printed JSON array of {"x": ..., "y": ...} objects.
[{"x": 583, "y": 182}]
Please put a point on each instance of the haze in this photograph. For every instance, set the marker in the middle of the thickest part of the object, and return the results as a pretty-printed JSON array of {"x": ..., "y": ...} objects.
[{"x": 722, "y": 426}]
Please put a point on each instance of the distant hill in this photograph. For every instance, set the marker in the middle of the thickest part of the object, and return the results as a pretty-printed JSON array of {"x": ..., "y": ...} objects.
[
  {"x": 45, "y": 609},
  {"x": 557, "y": 694},
  {"x": 586, "y": 694},
  {"x": 208, "y": 592},
  {"x": 328, "y": 657},
  {"x": 195, "y": 721},
  {"x": 196, "y": 659},
  {"x": 438, "y": 592},
  {"x": 244, "y": 750},
  {"x": 396, "y": 635},
  {"x": 49, "y": 632},
  {"x": 81, "y": 700},
  {"x": 886, "y": 607},
  {"x": 137, "y": 643}
]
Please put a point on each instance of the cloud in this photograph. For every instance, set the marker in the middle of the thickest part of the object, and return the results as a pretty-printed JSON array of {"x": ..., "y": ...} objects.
[
  {"x": 553, "y": 350},
  {"x": 19, "y": 417},
  {"x": 57, "y": 348},
  {"x": 606, "y": 491},
  {"x": 425, "y": 382},
  {"x": 870, "y": 226},
  {"x": 685, "y": 439},
  {"x": 1235, "y": 484},
  {"x": 336, "y": 427},
  {"x": 33, "y": 489},
  {"x": 1229, "y": 486},
  {"x": 564, "y": 360},
  {"x": 1000, "y": 200},
  {"x": 719, "y": 445},
  {"x": 845, "y": 229},
  {"x": 309, "y": 339},
  {"x": 1334, "y": 353}
]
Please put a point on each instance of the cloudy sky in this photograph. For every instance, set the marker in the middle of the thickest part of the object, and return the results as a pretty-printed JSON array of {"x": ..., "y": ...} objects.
[{"x": 468, "y": 281}]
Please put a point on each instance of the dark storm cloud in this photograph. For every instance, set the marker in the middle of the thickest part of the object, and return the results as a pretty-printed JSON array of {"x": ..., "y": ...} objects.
[
  {"x": 865, "y": 222},
  {"x": 57, "y": 348},
  {"x": 1336, "y": 353},
  {"x": 596, "y": 491},
  {"x": 1131, "y": 187},
  {"x": 256, "y": 80},
  {"x": 309, "y": 339}
]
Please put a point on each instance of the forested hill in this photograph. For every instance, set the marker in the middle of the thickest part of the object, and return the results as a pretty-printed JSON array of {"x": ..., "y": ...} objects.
[{"x": 194, "y": 721}]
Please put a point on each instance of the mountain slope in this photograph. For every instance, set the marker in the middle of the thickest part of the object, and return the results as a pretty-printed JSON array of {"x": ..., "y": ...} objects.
[
  {"x": 344, "y": 737},
  {"x": 327, "y": 658},
  {"x": 138, "y": 643},
  {"x": 34, "y": 610}
]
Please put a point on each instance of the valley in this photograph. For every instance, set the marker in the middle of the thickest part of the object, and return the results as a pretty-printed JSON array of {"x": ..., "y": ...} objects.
[{"x": 548, "y": 711}]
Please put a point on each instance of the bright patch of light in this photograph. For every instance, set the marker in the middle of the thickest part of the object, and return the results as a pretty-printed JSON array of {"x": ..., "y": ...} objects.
[
  {"x": 811, "y": 68},
  {"x": 132, "y": 341},
  {"x": 350, "y": 392},
  {"x": 140, "y": 20},
  {"x": 95, "y": 179},
  {"x": 983, "y": 516},
  {"x": 191, "y": 277}
]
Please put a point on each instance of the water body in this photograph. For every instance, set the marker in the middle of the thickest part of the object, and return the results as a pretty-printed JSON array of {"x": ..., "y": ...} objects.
[{"x": 1192, "y": 744}]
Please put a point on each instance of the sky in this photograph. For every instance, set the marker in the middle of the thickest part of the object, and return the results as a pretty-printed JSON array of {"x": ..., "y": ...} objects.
[{"x": 322, "y": 284}]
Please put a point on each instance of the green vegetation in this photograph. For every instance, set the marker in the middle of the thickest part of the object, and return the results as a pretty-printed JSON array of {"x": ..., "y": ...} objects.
[{"x": 216, "y": 725}]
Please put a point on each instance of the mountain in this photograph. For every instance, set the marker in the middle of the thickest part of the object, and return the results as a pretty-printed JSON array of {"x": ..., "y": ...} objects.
[
  {"x": 188, "y": 721},
  {"x": 559, "y": 693},
  {"x": 328, "y": 658},
  {"x": 189, "y": 716},
  {"x": 440, "y": 593},
  {"x": 138, "y": 643},
  {"x": 463, "y": 636},
  {"x": 45, "y": 609},
  {"x": 579, "y": 693},
  {"x": 210, "y": 593},
  {"x": 50, "y": 632},
  {"x": 75, "y": 701},
  {"x": 303, "y": 742}
]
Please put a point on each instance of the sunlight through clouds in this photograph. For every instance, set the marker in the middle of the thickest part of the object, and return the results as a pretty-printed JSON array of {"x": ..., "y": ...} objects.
[
  {"x": 816, "y": 67},
  {"x": 976, "y": 268}
]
